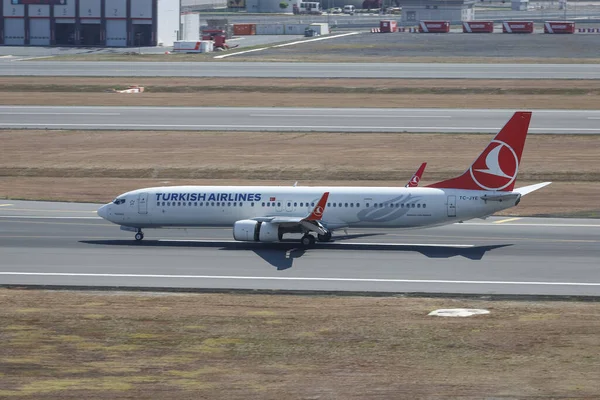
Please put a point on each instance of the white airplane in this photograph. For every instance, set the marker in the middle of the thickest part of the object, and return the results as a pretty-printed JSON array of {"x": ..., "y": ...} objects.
[{"x": 266, "y": 213}]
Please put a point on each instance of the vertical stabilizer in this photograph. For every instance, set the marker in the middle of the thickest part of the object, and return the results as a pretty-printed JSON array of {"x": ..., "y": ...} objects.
[{"x": 497, "y": 166}]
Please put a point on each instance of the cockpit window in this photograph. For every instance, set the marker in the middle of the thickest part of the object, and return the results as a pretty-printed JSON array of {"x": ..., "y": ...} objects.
[{"x": 118, "y": 201}]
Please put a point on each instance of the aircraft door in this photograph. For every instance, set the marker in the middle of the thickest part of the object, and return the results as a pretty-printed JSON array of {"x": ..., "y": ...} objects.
[
  {"x": 452, "y": 206},
  {"x": 289, "y": 205},
  {"x": 143, "y": 203}
]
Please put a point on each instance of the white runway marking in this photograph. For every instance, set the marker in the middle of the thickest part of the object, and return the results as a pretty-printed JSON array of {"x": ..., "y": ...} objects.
[
  {"x": 58, "y": 113},
  {"x": 300, "y": 115},
  {"x": 325, "y": 127},
  {"x": 42, "y": 217},
  {"x": 460, "y": 246},
  {"x": 285, "y": 278}
]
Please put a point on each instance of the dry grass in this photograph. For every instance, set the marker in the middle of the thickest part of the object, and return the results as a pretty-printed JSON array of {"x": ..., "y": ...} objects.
[
  {"x": 273, "y": 347},
  {"x": 59, "y": 165},
  {"x": 527, "y": 94}
]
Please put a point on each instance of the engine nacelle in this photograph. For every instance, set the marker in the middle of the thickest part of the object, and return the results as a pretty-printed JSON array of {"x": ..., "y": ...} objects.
[{"x": 248, "y": 230}]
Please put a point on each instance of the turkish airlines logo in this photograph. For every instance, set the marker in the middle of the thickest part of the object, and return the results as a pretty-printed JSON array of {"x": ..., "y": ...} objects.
[
  {"x": 318, "y": 212},
  {"x": 414, "y": 181},
  {"x": 497, "y": 169}
]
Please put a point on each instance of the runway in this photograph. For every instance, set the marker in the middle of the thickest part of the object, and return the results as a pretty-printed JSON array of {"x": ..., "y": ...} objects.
[
  {"x": 297, "y": 69},
  {"x": 293, "y": 119},
  {"x": 68, "y": 245}
]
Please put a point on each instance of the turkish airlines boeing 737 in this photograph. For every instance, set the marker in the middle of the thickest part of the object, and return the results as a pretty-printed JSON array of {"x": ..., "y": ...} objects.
[{"x": 266, "y": 213}]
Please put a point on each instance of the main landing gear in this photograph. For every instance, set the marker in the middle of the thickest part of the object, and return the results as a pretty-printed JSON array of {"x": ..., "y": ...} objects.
[
  {"x": 309, "y": 240},
  {"x": 139, "y": 235}
]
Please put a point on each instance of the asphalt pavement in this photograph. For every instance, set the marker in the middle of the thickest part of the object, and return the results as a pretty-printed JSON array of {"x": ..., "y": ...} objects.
[
  {"x": 293, "y": 119},
  {"x": 298, "y": 69},
  {"x": 66, "y": 244}
]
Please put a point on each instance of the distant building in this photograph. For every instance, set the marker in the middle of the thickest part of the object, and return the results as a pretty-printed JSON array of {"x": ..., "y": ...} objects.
[
  {"x": 102, "y": 23},
  {"x": 414, "y": 11}
]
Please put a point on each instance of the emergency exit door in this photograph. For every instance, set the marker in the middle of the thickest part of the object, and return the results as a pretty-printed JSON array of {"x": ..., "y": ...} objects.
[
  {"x": 143, "y": 203},
  {"x": 452, "y": 206}
]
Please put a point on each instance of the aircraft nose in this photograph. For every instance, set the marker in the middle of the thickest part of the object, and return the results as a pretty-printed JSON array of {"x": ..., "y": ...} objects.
[{"x": 103, "y": 211}]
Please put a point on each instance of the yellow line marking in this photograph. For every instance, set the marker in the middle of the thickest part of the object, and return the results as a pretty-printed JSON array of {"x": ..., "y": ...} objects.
[
  {"x": 5, "y": 205},
  {"x": 506, "y": 220}
]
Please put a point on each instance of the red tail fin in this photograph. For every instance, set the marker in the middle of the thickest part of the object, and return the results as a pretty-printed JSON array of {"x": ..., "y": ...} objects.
[
  {"x": 416, "y": 178},
  {"x": 497, "y": 167},
  {"x": 317, "y": 212}
]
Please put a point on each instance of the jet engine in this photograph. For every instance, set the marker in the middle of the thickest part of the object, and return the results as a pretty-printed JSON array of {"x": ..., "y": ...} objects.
[{"x": 248, "y": 230}]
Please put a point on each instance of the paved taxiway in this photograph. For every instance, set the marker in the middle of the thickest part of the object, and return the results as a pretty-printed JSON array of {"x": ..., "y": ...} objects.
[
  {"x": 293, "y": 119},
  {"x": 66, "y": 244},
  {"x": 297, "y": 69}
]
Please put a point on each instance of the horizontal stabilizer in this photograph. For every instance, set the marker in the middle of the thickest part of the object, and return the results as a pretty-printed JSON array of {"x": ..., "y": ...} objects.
[
  {"x": 501, "y": 197},
  {"x": 531, "y": 188}
]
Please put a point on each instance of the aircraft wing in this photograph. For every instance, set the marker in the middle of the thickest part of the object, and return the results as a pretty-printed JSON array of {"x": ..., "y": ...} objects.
[
  {"x": 416, "y": 178},
  {"x": 310, "y": 222}
]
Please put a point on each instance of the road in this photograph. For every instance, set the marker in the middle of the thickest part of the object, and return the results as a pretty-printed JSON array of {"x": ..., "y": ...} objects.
[
  {"x": 297, "y": 69},
  {"x": 293, "y": 119},
  {"x": 66, "y": 244}
]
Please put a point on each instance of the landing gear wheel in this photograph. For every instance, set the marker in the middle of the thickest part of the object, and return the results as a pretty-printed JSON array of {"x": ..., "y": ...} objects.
[
  {"x": 139, "y": 236},
  {"x": 307, "y": 240},
  {"x": 324, "y": 238}
]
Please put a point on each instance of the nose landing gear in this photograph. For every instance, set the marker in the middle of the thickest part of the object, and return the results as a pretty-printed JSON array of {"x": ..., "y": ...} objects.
[{"x": 139, "y": 235}]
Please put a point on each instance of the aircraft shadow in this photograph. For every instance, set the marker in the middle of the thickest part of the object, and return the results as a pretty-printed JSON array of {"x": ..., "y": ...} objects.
[{"x": 281, "y": 255}]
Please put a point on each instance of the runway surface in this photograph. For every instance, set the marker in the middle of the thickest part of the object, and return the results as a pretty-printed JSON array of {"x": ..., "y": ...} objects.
[
  {"x": 67, "y": 244},
  {"x": 297, "y": 69},
  {"x": 293, "y": 119}
]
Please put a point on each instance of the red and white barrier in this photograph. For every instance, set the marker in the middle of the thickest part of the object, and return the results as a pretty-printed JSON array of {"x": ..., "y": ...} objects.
[
  {"x": 517, "y": 27},
  {"x": 559, "y": 27},
  {"x": 388, "y": 26},
  {"x": 375, "y": 30},
  {"x": 434, "y": 26},
  {"x": 478, "y": 26}
]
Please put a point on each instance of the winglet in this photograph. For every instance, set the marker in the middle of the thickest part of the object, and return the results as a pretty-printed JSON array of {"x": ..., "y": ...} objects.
[
  {"x": 416, "y": 178},
  {"x": 317, "y": 212}
]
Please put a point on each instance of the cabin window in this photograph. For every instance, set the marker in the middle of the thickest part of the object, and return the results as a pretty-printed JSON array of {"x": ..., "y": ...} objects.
[
  {"x": 351, "y": 204},
  {"x": 418, "y": 205},
  {"x": 268, "y": 204},
  {"x": 289, "y": 204},
  {"x": 295, "y": 204},
  {"x": 183, "y": 204},
  {"x": 212, "y": 203},
  {"x": 357, "y": 204},
  {"x": 412, "y": 205},
  {"x": 367, "y": 205},
  {"x": 424, "y": 205},
  {"x": 313, "y": 204},
  {"x": 252, "y": 204},
  {"x": 328, "y": 204},
  {"x": 333, "y": 204},
  {"x": 302, "y": 204}
]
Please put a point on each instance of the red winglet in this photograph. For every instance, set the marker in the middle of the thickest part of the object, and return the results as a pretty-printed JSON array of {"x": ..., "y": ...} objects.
[
  {"x": 317, "y": 212},
  {"x": 416, "y": 178},
  {"x": 496, "y": 168}
]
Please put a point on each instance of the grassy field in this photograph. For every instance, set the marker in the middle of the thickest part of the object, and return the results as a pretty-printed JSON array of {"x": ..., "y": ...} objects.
[
  {"x": 80, "y": 165},
  {"x": 116, "y": 345},
  {"x": 526, "y": 94}
]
